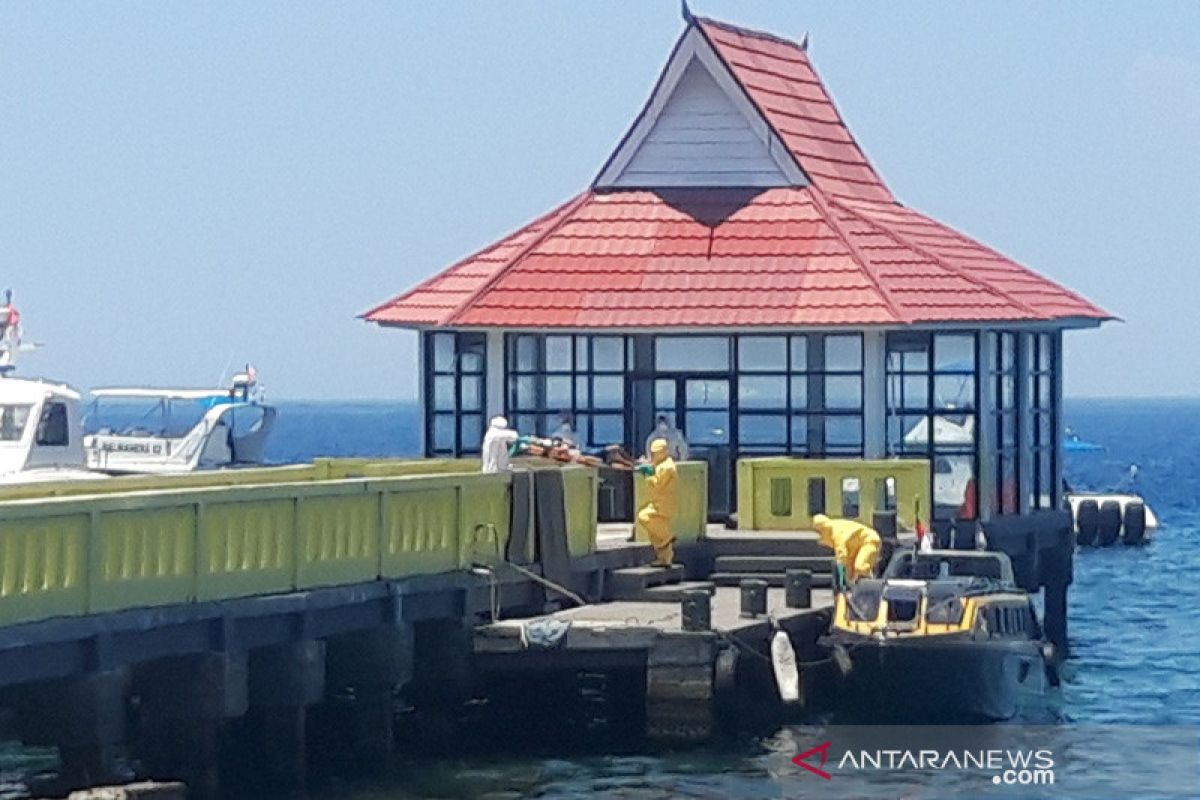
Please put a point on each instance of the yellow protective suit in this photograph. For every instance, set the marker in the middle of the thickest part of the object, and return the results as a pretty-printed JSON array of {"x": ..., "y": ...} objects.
[
  {"x": 855, "y": 546},
  {"x": 659, "y": 513}
]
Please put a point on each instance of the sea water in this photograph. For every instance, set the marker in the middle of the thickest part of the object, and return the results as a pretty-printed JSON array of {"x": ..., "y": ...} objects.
[{"x": 1125, "y": 725}]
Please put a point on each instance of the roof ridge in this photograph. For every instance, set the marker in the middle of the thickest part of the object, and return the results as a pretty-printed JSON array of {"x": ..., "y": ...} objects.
[
  {"x": 752, "y": 32},
  {"x": 867, "y": 264},
  {"x": 566, "y": 209},
  {"x": 960, "y": 272},
  {"x": 997, "y": 254},
  {"x": 767, "y": 115}
]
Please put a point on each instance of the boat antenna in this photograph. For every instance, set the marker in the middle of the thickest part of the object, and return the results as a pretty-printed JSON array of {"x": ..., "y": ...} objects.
[{"x": 225, "y": 371}]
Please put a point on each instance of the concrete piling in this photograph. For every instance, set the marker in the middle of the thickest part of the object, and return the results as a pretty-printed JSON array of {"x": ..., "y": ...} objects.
[
  {"x": 798, "y": 588},
  {"x": 754, "y": 597},
  {"x": 696, "y": 610}
]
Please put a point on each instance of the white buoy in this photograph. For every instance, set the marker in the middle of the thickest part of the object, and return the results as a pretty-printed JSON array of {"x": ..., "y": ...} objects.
[{"x": 783, "y": 659}]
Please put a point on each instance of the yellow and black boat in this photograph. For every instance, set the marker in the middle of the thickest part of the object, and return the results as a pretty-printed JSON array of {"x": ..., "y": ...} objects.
[{"x": 943, "y": 635}]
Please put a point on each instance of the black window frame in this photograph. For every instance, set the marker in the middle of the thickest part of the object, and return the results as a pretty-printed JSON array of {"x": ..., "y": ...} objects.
[
  {"x": 899, "y": 342},
  {"x": 463, "y": 342},
  {"x": 1041, "y": 392},
  {"x": 583, "y": 368},
  {"x": 1005, "y": 365}
]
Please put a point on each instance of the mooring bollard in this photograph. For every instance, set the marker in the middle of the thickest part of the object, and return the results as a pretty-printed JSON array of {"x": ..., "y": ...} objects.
[
  {"x": 798, "y": 588},
  {"x": 754, "y": 597},
  {"x": 697, "y": 610}
]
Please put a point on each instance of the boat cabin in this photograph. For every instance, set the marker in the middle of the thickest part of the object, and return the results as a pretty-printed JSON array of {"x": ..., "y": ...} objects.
[
  {"x": 41, "y": 434},
  {"x": 739, "y": 267},
  {"x": 174, "y": 430}
]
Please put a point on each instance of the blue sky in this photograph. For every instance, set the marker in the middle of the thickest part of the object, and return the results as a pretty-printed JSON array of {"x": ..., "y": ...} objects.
[{"x": 187, "y": 185}]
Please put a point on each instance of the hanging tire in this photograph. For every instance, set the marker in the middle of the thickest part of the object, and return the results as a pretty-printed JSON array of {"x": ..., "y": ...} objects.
[
  {"x": 1087, "y": 520},
  {"x": 1110, "y": 523},
  {"x": 1135, "y": 523}
]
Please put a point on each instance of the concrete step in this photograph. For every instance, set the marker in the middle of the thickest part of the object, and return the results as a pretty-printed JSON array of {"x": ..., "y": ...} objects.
[
  {"x": 820, "y": 581},
  {"x": 624, "y": 583},
  {"x": 672, "y": 592},
  {"x": 736, "y": 543},
  {"x": 773, "y": 563}
]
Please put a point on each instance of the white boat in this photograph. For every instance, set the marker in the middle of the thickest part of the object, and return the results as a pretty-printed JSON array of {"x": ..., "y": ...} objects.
[
  {"x": 170, "y": 431},
  {"x": 41, "y": 438}
]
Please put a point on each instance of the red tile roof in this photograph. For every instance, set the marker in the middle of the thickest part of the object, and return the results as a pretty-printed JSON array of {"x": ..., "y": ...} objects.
[{"x": 840, "y": 251}]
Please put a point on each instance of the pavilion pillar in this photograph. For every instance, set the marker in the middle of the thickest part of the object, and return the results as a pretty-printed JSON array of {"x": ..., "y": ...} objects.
[
  {"x": 985, "y": 429},
  {"x": 494, "y": 382},
  {"x": 874, "y": 394}
]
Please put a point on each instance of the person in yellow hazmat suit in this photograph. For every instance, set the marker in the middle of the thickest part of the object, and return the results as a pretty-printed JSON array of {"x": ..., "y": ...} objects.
[
  {"x": 659, "y": 513},
  {"x": 855, "y": 546}
]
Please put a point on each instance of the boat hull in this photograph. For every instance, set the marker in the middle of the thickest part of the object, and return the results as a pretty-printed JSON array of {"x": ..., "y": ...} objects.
[{"x": 941, "y": 678}]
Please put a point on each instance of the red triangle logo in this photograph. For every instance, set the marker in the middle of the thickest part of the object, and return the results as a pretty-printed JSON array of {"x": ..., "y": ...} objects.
[{"x": 823, "y": 749}]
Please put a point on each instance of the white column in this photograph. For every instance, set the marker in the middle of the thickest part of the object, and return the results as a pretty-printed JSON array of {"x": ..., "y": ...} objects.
[
  {"x": 985, "y": 430},
  {"x": 1059, "y": 422},
  {"x": 874, "y": 394},
  {"x": 495, "y": 373},
  {"x": 422, "y": 395}
]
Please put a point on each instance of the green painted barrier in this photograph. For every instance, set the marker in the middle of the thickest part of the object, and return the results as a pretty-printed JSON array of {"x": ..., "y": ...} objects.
[
  {"x": 691, "y": 523},
  {"x": 785, "y": 493},
  {"x": 581, "y": 486},
  {"x": 110, "y": 550}
]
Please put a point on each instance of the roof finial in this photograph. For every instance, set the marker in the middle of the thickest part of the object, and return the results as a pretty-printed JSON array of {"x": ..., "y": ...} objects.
[
  {"x": 687, "y": 12},
  {"x": 804, "y": 42}
]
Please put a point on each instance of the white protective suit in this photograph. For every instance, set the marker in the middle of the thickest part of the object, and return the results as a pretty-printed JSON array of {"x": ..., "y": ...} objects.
[
  {"x": 496, "y": 442},
  {"x": 677, "y": 447}
]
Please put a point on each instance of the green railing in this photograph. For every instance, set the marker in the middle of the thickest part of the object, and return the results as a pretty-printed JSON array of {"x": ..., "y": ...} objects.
[
  {"x": 784, "y": 493},
  {"x": 114, "y": 549}
]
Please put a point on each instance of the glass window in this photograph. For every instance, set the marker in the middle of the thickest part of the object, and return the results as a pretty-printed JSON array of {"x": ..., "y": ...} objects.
[
  {"x": 443, "y": 352},
  {"x": 843, "y": 392},
  {"x": 454, "y": 391},
  {"x": 707, "y": 427},
  {"x": 762, "y": 353},
  {"x": 799, "y": 433},
  {"x": 558, "y": 391},
  {"x": 443, "y": 432},
  {"x": 954, "y": 353},
  {"x": 799, "y": 353},
  {"x": 763, "y": 429},
  {"x": 527, "y": 349},
  {"x": 763, "y": 392},
  {"x": 843, "y": 432},
  {"x": 931, "y": 412},
  {"x": 607, "y": 429},
  {"x": 707, "y": 394},
  {"x": 843, "y": 353},
  {"x": 471, "y": 393},
  {"x": 558, "y": 354},
  {"x": 691, "y": 353},
  {"x": 608, "y": 354},
  {"x": 609, "y": 391},
  {"x": 13, "y": 419},
  {"x": 580, "y": 375},
  {"x": 443, "y": 393},
  {"x": 52, "y": 430}
]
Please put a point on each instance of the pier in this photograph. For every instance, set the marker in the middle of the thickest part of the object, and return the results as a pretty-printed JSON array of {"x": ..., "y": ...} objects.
[{"x": 215, "y": 624}]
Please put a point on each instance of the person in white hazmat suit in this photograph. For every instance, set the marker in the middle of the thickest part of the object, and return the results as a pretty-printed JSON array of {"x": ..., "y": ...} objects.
[{"x": 496, "y": 443}]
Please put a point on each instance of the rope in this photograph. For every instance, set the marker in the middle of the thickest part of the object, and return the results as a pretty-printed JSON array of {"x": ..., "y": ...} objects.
[{"x": 490, "y": 528}]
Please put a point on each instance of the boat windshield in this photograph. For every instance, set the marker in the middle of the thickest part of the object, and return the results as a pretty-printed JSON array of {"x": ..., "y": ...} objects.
[
  {"x": 146, "y": 416},
  {"x": 13, "y": 419}
]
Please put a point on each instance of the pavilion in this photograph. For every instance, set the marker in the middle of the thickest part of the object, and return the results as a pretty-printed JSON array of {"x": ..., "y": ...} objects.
[{"x": 739, "y": 265}]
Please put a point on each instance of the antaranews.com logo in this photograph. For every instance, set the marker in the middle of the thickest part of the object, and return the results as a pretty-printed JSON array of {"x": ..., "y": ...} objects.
[{"x": 1009, "y": 767}]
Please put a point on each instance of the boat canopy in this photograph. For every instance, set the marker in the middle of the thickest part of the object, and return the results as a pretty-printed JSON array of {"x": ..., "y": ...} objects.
[{"x": 166, "y": 394}]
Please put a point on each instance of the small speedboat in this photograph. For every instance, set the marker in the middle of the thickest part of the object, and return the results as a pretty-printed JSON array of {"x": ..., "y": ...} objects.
[
  {"x": 171, "y": 431},
  {"x": 944, "y": 635}
]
